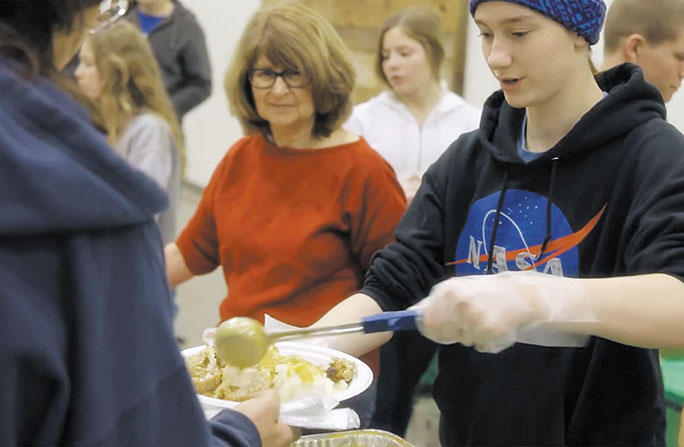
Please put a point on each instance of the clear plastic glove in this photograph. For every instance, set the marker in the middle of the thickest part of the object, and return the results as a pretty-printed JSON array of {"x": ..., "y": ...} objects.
[{"x": 494, "y": 311}]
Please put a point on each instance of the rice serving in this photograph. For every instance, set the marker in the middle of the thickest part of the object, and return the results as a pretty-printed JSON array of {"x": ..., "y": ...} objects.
[{"x": 290, "y": 375}]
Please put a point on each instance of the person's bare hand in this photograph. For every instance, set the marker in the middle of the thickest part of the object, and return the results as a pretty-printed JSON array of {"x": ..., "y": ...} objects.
[
  {"x": 264, "y": 411},
  {"x": 410, "y": 186}
]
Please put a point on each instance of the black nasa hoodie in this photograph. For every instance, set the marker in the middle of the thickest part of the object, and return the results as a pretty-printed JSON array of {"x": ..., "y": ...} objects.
[{"x": 606, "y": 200}]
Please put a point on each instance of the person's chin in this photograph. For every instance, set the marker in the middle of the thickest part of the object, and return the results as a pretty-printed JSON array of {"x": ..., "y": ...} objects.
[
  {"x": 401, "y": 88},
  {"x": 516, "y": 101},
  {"x": 668, "y": 94}
]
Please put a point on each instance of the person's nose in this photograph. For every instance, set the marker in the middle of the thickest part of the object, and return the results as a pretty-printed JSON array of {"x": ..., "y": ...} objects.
[
  {"x": 391, "y": 61},
  {"x": 279, "y": 86},
  {"x": 499, "y": 55},
  {"x": 680, "y": 71}
]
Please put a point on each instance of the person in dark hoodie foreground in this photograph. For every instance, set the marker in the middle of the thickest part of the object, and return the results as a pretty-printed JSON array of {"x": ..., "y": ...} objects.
[
  {"x": 86, "y": 342},
  {"x": 575, "y": 186}
]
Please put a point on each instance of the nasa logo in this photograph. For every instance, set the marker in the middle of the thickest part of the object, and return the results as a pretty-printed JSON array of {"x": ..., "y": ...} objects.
[{"x": 519, "y": 237}]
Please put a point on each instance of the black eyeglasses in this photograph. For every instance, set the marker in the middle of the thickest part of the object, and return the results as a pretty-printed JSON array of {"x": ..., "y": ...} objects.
[
  {"x": 265, "y": 78},
  {"x": 110, "y": 12}
]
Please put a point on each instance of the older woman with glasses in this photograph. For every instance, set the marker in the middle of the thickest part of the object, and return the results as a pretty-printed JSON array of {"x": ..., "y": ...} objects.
[{"x": 296, "y": 208}]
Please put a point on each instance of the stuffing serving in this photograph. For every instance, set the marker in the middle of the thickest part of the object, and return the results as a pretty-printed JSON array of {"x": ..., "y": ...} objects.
[{"x": 290, "y": 375}]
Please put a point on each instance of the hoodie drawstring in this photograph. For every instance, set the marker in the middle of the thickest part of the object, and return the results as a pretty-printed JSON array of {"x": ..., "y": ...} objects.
[
  {"x": 499, "y": 205},
  {"x": 496, "y": 222},
  {"x": 549, "y": 202}
]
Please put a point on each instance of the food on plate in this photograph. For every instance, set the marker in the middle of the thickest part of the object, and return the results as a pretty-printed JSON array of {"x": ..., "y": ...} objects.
[
  {"x": 290, "y": 375},
  {"x": 340, "y": 370}
]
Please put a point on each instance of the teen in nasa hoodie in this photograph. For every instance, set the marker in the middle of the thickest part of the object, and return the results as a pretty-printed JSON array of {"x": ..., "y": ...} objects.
[
  {"x": 594, "y": 199},
  {"x": 626, "y": 218}
]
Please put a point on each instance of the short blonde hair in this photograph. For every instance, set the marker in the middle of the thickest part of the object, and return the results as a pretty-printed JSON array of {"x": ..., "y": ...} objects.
[
  {"x": 656, "y": 20},
  {"x": 295, "y": 37},
  {"x": 422, "y": 25}
]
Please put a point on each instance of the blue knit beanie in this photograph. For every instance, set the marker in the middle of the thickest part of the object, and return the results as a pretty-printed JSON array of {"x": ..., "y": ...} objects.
[{"x": 585, "y": 17}]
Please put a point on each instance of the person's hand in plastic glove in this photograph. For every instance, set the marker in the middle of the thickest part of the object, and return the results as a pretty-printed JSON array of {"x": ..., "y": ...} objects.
[{"x": 488, "y": 312}]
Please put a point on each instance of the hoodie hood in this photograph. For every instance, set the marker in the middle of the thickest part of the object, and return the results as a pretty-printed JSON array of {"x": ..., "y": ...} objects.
[
  {"x": 57, "y": 172},
  {"x": 629, "y": 103}
]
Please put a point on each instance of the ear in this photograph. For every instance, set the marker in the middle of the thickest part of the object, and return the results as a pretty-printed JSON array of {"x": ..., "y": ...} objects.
[
  {"x": 578, "y": 41},
  {"x": 632, "y": 46}
]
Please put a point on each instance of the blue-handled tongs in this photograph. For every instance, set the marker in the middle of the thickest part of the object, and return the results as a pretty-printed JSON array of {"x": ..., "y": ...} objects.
[{"x": 404, "y": 320}]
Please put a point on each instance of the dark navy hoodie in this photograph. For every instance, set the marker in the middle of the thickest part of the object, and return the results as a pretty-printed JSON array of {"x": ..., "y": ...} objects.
[
  {"x": 608, "y": 199},
  {"x": 87, "y": 352}
]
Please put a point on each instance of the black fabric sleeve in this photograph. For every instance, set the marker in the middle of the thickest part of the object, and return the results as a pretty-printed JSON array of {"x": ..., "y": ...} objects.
[
  {"x": 655, "y": 221},
  {"x": 405, "y": 271}
]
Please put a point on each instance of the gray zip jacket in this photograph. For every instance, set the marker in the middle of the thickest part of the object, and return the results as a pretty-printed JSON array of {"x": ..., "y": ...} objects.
[{"x": 179, "y": 45}]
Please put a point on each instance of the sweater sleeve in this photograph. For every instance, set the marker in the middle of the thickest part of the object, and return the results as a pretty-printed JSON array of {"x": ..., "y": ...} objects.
[
  {"x": 375, "y": 216},
  {"x": 149, "y": 148},
  {"x": 233, "y": 429},
  {"x": 198, "y": 242},
  {"x": 405, "y": 271},
  {"x": 655, "y": 222}
]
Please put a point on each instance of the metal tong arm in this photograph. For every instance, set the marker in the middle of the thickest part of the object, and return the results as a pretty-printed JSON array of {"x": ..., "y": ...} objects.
[
  {"x": 404, "y": 320},
  {"x": 318, "y": 331}
]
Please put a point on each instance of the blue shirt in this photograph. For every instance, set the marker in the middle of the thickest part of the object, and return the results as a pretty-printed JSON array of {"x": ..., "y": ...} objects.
[
  {"x": 148, "y": 22},
  {"x": 524, "y": 153}
]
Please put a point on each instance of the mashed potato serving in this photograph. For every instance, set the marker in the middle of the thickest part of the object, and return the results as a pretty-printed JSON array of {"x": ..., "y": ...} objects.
[{"x": 290, "y": 375}]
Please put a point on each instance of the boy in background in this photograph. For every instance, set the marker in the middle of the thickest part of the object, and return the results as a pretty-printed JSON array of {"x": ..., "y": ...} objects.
[{"x": 649, "y": 34}]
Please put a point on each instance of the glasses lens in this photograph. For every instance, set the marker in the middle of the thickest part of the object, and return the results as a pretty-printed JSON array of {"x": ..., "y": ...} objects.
[
  {"x": 262, "y": 78},
  {"x": 295, "y": 78},
  {"x": 265, "y": 78}
]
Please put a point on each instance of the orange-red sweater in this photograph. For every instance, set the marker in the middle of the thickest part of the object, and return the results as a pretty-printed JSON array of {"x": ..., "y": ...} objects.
[{"x": 293, "y": 229}]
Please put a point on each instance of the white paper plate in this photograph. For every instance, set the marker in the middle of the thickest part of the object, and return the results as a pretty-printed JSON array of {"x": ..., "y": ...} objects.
[{"x": 318, "y": 355}]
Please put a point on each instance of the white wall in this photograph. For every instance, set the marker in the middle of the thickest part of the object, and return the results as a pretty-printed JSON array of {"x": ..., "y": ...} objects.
[
  {"x": 479, "y": 82},
  {"x": 210, "y": 130}
]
